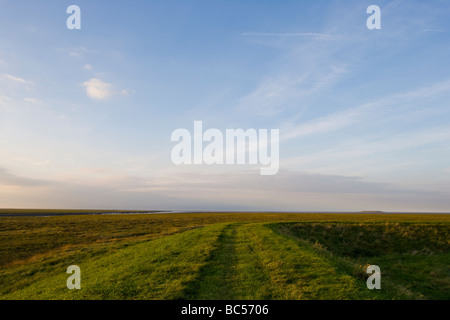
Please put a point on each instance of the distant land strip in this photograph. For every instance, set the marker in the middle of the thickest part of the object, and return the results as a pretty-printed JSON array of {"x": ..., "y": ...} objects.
[
  {"x": 72, "y": 212},
  {"x": 68, "y": 212}
]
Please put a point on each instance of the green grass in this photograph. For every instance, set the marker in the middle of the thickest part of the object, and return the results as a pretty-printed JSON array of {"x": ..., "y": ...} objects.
[
  {"x": 156, "y": 269},
  {"x": 414, "y": 257},
  {"x": 253, "y": 262},
  {"x": 225, "y": 256}
]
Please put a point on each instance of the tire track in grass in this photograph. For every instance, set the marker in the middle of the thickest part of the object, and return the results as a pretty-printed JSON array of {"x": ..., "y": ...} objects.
[
  {"x": 297, "y": 273},
  {"x": 253, "y": 262},
  {"x": 213, "y": 281},
  {"x": 217, "y": 262},
  {"x": 233, "y": 271}
]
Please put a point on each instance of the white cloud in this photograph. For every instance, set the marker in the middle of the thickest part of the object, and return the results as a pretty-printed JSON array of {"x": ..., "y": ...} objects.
[
  {"x": 97, "y": 89},
  {"x": 87, "y": 67},
  {"x": 17, "y": 79}
]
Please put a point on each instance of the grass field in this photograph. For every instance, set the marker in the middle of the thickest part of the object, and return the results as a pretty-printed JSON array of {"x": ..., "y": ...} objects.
[{"x": 225, "y": 256}]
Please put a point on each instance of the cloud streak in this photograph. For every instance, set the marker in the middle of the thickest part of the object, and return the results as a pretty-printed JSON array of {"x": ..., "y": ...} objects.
[
  {"x": 287, "y": 191},
  {"x": 10, "y": 179},
  {"x": 319, "y": 36},
  {"x": 17, "y": 80},
  {"x": 367, "y": 112}
]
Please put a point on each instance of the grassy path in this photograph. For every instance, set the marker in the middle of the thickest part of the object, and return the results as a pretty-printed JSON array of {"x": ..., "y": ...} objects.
[
  {"x": 253, "y": 262},
  {"x": 233, "y": 270},
  {"x": 235, "y": 260},
  {"x": 221, "y": 261},
  {"x": 214, "y": 278}
]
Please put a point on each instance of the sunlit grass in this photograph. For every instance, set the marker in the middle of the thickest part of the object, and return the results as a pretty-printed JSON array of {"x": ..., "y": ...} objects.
[
  {"x": 225, "y": 256},
  {"x": 414, "y": 257}
]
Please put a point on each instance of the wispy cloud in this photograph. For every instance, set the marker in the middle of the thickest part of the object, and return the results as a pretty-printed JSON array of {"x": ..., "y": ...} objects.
[
  {"x": 75, "y": 52},
  {"x": 33, "y": 101},
  {"x": 304, "y": 69},
  {"x": 17, "y": 80},
  {"x": 319, "y": 36},
  {"x": 289, "y": 88},
  {"x": 6, "y": 101},
  {"x": 324, "y": 124},
  {"x": 349, "y": 152},
  {"x": 10, "y": 179},
  {"x": 289, "y": 191},
  {"x": 369, "y": 112}
]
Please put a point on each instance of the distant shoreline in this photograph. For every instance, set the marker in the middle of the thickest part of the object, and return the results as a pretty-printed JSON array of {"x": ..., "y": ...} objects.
[
  {"x": 75, "y": 212},
  {"x": 62, "y": 212}
]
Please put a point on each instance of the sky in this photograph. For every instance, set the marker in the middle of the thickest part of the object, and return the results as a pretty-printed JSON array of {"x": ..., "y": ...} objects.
[{"x": 86, "y": 116}]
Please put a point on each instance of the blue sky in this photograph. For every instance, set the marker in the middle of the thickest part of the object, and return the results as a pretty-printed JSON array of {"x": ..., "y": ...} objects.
[{"x": 86, "y": 115}]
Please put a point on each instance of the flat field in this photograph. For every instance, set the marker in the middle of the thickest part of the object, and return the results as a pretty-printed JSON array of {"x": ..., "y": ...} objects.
[{"x": 224, "y": 255}]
